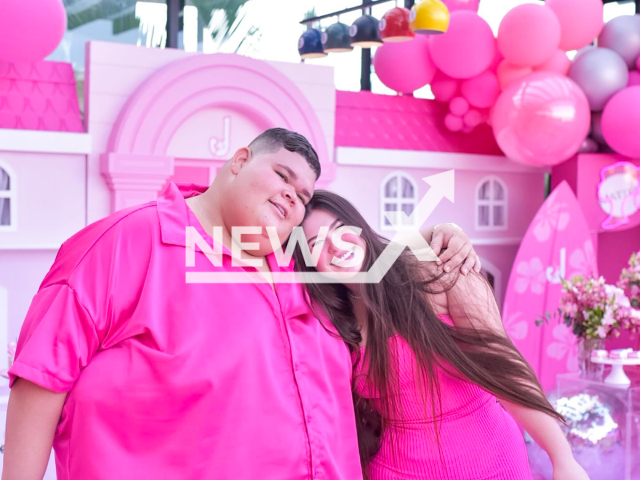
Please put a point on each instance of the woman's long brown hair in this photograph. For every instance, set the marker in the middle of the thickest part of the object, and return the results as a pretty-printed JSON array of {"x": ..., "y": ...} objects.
[{"x": 399, "y": 305}]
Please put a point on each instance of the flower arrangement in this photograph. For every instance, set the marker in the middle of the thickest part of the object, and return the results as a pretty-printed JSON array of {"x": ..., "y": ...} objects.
[
  {"x": 630, "y": 279},
  {"x": 594, "y": 309}
]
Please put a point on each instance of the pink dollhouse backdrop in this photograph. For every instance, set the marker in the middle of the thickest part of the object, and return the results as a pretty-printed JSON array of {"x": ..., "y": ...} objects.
[{"x": 155, "y": 115}]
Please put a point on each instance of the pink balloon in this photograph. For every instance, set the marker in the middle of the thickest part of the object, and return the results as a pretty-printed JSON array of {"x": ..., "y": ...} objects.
[
  {"x": 459, "y": 106},
  {"x": 497, "y": 60},
  {"x": 508, "y": 73},
  {"x": 529, "y": 35},
  {"x": 444, "y": 88},
  {"x": 472, "y": 118},
  {"x": 404, "y": 66},
  {"x": 453, "y": 123},
  {"x": 467, "y": 49},
  {"x": 634, "y": 78},
  {"x": 30, "y": 29},
  {"x": 559, "y": 63},
  {"x": 466, "y": 129},
  {"x": 542, "y": 119},
  {"x": 481, "y": 91},
  {"x": 620, "y": 120},
  {"x": 580, "y": 21},
  {"x": 453, "y": 5}
]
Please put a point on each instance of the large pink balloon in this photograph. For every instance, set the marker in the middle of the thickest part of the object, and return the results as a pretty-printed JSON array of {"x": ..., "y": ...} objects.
[
  {"x": 634, "y": 78},
  {"x": 508, "y": 73},
  {"x": 30, "y": 29},
  {"x": 580, "y": 21},
  {"x": 482, "y": 90},
  {"x": 620, "y": 120},
  {"x": 497, "y": 60},
  {"x": 405, "y": 66},
  {"x": 559, "y": 63},
  {"x": 453, "y": 5},
  {"x": 443, "y": 87},
  {"x": 529, "y": 35},
  {"x": 468, "y": 47},
  {"x": 542, "y": 119}
]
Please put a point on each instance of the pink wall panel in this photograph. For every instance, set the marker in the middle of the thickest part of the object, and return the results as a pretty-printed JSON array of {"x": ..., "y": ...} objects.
[
  {"x": 21, "y": 272},
  {"x": 51, "y": 198}
]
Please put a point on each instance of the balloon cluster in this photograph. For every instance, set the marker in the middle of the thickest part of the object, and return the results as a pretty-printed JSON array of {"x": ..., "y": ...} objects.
[{"x": 543, "y": 107}]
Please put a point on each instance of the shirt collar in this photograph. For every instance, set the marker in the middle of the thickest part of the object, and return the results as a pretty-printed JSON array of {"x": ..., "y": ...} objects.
[
  {"x": 173, "y": 212},
  {"x": 174, "y": 217}
]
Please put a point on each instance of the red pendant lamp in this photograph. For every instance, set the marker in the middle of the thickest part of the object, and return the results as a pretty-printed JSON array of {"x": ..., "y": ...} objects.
[{"x": 395, "y": 25}]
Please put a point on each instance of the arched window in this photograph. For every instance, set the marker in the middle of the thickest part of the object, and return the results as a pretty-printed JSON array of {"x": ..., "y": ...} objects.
[
  {"x": 399, "y": 193},
  {"x": 491, "y": 204},
  {"x": 7, "y": 200}
]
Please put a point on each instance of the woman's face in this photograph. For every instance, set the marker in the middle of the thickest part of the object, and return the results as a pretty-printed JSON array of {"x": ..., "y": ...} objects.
[{"x": 336, "y": 257}]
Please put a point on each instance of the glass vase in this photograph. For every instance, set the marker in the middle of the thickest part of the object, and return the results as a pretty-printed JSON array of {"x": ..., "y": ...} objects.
[{"x": 588, "y": 369}]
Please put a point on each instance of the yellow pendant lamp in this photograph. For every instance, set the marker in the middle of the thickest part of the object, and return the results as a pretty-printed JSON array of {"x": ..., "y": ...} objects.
[{"x": 429, "y": 17}]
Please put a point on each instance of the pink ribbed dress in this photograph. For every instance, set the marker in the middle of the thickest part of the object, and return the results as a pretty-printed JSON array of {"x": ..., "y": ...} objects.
[{"x": 479, "y": 440}]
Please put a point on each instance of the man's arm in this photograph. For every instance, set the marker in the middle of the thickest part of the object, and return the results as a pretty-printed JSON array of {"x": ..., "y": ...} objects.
[
  {"x": 453, "y": 247},
  {"x": 32, "y": 417}
]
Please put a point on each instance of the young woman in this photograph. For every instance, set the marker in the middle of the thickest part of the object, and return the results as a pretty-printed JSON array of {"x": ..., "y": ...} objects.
[{"x": 434, "y": 369}]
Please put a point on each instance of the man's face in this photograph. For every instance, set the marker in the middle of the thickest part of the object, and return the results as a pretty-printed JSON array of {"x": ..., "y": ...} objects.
[{"x": 268, "y": 189}]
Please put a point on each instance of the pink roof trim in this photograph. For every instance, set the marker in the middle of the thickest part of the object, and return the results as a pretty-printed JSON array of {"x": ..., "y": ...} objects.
[
  {"x": 367, "y": 120},
  {"x": 39, "y": 96}
]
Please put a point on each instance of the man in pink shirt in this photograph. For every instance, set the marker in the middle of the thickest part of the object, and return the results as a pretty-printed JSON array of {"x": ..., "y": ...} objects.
[{"x": 132, "y": 373}]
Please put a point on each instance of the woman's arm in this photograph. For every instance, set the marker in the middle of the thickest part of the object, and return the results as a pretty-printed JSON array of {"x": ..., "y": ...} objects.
[
  {"x": 547, "y": 433},
  {"x": 471, "y": 304},
  {"x": 32, "y": 417}
]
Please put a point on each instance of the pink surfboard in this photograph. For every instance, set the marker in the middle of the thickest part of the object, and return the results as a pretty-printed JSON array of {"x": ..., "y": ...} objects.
[{"x": 557, "y": 245}]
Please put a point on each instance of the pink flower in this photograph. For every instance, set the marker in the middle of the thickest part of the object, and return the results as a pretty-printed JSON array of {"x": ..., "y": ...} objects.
[
  {"x": 584, "y": 260},
  {"x": 552, "y": 216},
  {"x": 602, "y": 332},
  {"x": 530, "y": 274},
  {"x": 608, "y": 318},
  {"x": 515, "y": 327},
  {"x": 570, "y": 309},
  {"x": 565, "y": 344}
]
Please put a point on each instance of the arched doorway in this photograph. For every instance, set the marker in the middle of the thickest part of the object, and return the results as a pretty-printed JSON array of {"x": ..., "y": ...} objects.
[
  {"x": 192, "y": 114},
  {"x": 493, "y": 275}
]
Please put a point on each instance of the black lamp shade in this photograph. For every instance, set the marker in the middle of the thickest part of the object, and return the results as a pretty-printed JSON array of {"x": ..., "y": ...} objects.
[
  {"x": 310, "y": 44},
  {"x": 336, "y": 38},
  {"x": 364, "y": 32}
]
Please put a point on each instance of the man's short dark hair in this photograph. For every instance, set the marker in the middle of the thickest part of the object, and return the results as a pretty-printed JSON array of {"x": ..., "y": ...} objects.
[{"x": 274, "y": 139}]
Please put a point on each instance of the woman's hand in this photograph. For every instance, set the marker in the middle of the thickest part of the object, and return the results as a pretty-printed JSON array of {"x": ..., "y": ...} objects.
[
  {"x": 457, "y": 248},
  {"x": 568, "y": 469}
]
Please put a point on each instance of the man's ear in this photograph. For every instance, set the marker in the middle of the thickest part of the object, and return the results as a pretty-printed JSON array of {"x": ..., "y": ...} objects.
[{"x": 239, "y": 159}]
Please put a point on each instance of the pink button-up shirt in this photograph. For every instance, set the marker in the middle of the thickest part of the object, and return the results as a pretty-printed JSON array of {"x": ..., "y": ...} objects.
[{"x": 169, "y": 380}]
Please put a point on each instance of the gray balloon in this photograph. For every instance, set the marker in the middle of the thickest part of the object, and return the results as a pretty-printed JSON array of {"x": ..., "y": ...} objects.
[
  {"x": 622, "y": 35},
  {"x": 583, "y": 50},
  {"x": 600, "y": 73}
]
